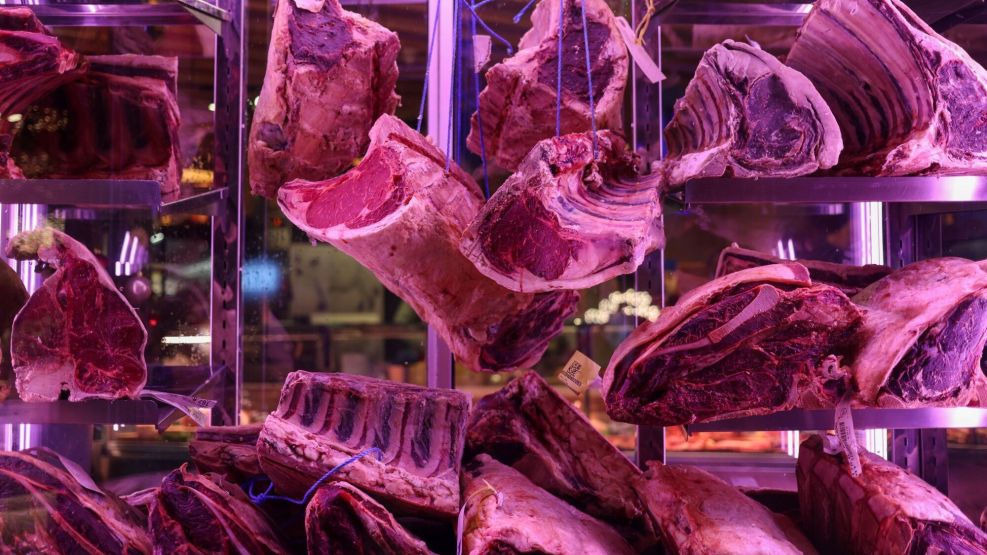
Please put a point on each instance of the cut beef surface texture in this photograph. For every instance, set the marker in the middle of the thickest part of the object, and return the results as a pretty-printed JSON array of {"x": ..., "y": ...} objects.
[
  {"x": 884, "y": 511},
  {"x": 77, "y": 337},
  {"x": 567, "y": 219},
  {"x": 753, "y": 342},
  {"x": 907, "y": 100},
  {"x": 517, "y": 109},
  {"x": 745, "y": 114},
  {"x": 230, "y": 451},
  {"x": 330, "y": 74},
  {"x": 402, "y": 215},
  {"x": 324, "y": 419}
]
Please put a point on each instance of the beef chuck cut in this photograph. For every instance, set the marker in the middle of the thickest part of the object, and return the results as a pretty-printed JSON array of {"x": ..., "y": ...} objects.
[
  {"x": 565, "y": 220},
  {"x": 330, "y": 74},
  {"x": 518, "y": 106},
  {"x": 745, "y": 114},
  {"x": 323, "y": 419},
  {"x": 230, "y": 451},
  {"x": 13, "y": 297},
  {"x": 402, "y": 215},
  {"x": 77, "y": 337},
  {"x": 752, "y": 342},
  {"x": 883, "y": 510},
  {"x": 907, "y": 100}
]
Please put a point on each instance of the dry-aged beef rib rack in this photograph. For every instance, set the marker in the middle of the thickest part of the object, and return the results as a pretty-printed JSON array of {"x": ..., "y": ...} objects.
[
  {"x": 565, "y": 220},
  {"x": 402, "y": 215},
  {"x": 230, "y": 451},
  {"x": 330, "y": 74},
  {"x": 517, "y": 108}
]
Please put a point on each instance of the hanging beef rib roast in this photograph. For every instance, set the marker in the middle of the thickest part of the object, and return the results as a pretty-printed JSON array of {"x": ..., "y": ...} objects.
[
  {"x": 753, "y": 342},
  {"x": 517, "y": 108},
  {"x": 402, "y": 215},
  {"x": 745, "y": 114},
  {"x": 907, "y": 100},
  {"x": 77, "y": 337},
  {"x": 230, "y": 451},
  {"x": 567, "y": 219},
  {"x": 330, "y": 74}
]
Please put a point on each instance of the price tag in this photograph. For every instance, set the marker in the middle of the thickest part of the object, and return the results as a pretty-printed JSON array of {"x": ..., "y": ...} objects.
[
  {"x": 579, "y": 372},
  {"x": 199, "y": 410},
  {"x": 481, "y": 52},
  {"x": 846, "y": 435},
  {"x": 643, "y": 60}
]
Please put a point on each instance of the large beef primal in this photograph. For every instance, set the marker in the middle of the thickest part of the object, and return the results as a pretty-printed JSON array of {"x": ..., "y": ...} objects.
[
  {"x": 567, "y": 219},
  {"x": 518, "y": 106},
  {"x": 402, "y": 215},
  {"x": 753, "y": 342},
  {"x": 330, "y": 74},
  {"x": 77, "y": 337},
  {"x": 745, "y": 114},
  {"x": 907, "y": 100},
  {"x": 230, "y": 451}
]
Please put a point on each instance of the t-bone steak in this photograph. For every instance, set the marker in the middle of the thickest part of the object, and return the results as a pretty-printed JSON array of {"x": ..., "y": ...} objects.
[
  {"x": 324, "y": 419},
  {"x": 745, "y": 114},
  {"x": 230, "y": 451},
  {"x": 884, "y": 511},
  {"x": 402, "y": 215},
  {"x": 330, "y": 74},
  {"x": 77, "y": 337},
  {"x": 565, "y": 220},
  {"x": 907, "y": 100},
  {"x": 517, "y": 108},
  {"x": 753, "y": 342},
  {"x": 13, "y": 297}
]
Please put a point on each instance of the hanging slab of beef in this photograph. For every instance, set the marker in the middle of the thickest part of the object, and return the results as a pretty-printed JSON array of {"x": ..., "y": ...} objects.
[
  {"x": 230, "y": 451},
  {"x": 77, "y": 337},
  {"x": 701, "y": 514},
  {"x": 745, "y": 114},
  {"x": 324, "y": 419},
  {"x": 884, "y": 511},
  {"x": 907, "y": 100},
  {"x": 13, "y": 297},
  {"x": 330, "y": 74},
  {"x": 846, "y": 277},
  {"x": 527, "y": 425},
  {"x": 753, "y": 342},
  {"x": 565, "y": 220},
  {"x": 402, "y": 215},
  {"x": 517, "y": 108}
]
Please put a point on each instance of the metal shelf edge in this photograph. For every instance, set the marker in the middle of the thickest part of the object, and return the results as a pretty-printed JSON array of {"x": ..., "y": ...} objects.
[
  {"x": 93, "y": 411},
  {"x": 800, "y": 419},
  {"x": 830, "y": 190}
]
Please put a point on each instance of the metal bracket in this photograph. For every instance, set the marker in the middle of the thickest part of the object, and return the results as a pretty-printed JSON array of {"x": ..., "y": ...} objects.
[{"x": 209, "y": 15}]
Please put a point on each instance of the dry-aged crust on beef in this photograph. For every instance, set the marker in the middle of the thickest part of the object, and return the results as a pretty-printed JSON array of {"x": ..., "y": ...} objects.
[
  {"x": 907, "y": 100},
  {"x": 746, "y": 114},
  {"x": 330, "y": 74},
  {"x": 527, "y": 425},
  {"x": 402, "y": 215},
  {"x": 565, "y": 220},
  {"x": 753, "y": 342},
  {"x": 701, "y": 514},
  {"x": 884, "y": 511},
  {"x": 523, "y": 518},
  {"x": 230, "y": 451},
  {"x": 518, "y": 106},
  {"x": 324, "y": 419}
]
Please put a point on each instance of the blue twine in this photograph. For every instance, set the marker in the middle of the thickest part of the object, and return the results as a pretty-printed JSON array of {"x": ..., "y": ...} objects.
[
  {"x": 259, "y": 498},
  {"x": 428, "y": 63},
  {"x": 454, "y": 89},
  {"x": 479, "y": 115},
  {"x": 589, "y": 79},
  {"x": 472, "y": 9},
  {"x": 479, "y": 5},
  {"x": 520, "y": 14},
  {"x": 558, "y": 78}
]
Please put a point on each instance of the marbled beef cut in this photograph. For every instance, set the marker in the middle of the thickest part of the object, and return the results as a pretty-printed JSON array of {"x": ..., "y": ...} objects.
[
  {"x": 518, "y": 106},
  {"x": 402, "y": 215},
  {"x": 745, "y": 114},
  {"x": 565, "y": 220},
  {"x": 330, "y": 74},
  {"x": 907, "y": 100},
  {"x": 230, "y": 451},
  {"x": 77, "y": 337},
  {"x": 753, "y": 342}
]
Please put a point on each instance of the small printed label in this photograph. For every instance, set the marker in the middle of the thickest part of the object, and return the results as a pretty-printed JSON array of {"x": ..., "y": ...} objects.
[
  {"x": 846, "y": 435},
  {"x": 199, "y": 410},
  {"x": 643, "y": 60},
  {"x": 481, "y": 52},
  {"x": 579, "y": 372}
]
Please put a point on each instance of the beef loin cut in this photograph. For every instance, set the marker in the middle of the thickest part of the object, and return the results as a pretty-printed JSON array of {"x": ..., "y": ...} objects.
[
  {"x": 324, "y": 419},
  {"x": 342, "y": 520},
  {"x": 517, "y": 109},
  {"x": 505, "y": 512},
  {"x": 13, "y": 297},
  {"x": 907, "y": 100},
  {"x": 565, "y": 220},
  {"x": 330, "y": 74},
  {"x": 402, "y": 215},
  {"x": 77, "y": 337},
  {"x": 846, "y": 277},
  {"x": 527, "y": 425},
  {"x": 884, "y": 510},
  {"x": 745, "y": 114},
  {"x": 753, "y": 342},
  {"x": 700, "y": 513},
  {"x": 230, "y": 451}
]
